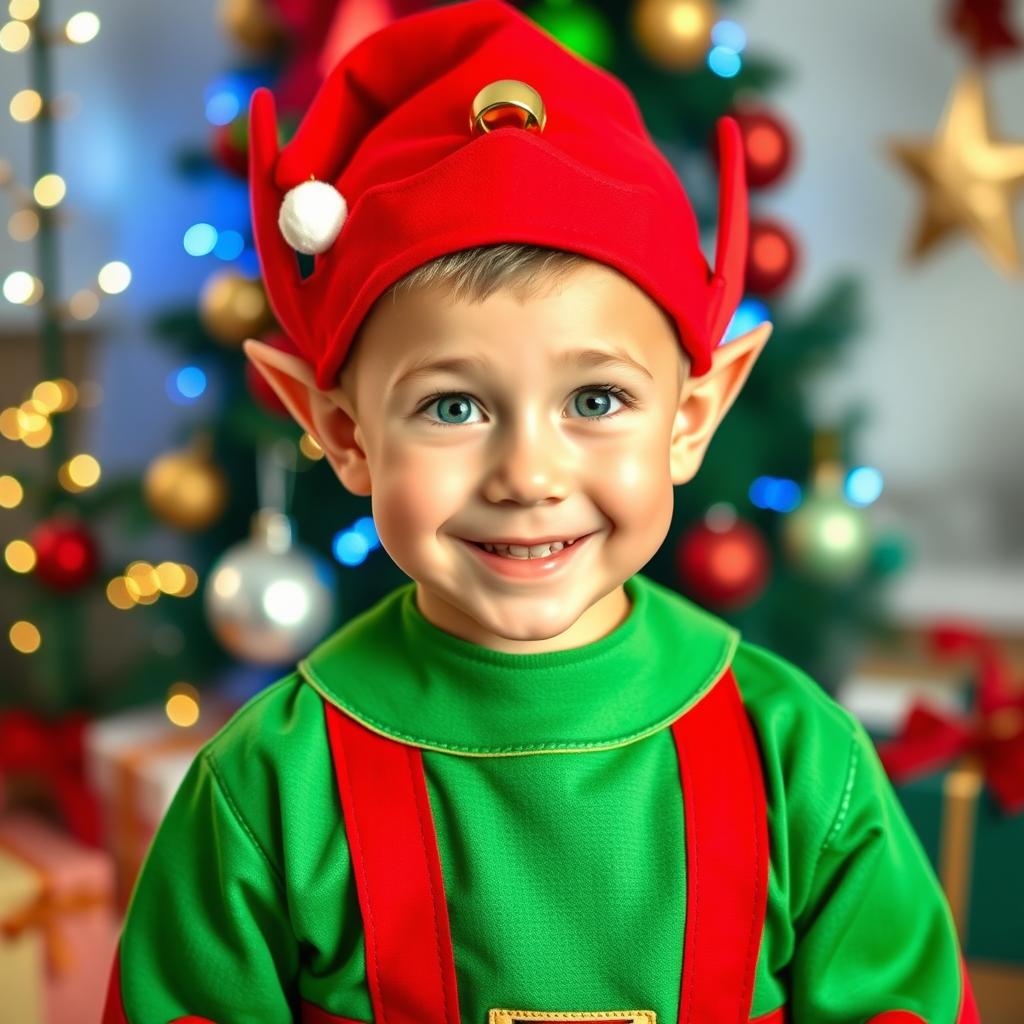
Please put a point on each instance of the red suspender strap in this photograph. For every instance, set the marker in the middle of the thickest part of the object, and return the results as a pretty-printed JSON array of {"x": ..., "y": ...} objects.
[
  {"x": 726, "y": 856},
  {"x": 409, "y": 964}
]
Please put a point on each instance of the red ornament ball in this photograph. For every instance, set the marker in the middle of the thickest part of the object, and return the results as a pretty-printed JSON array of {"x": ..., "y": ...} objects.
[
  {"x": 66, "y": 553},
  {"x": 772, "y": 256},
  {"x": 262, "y": 393},
  {"x": 767, "y": 145},
  {"x": 726, "y": 567}
]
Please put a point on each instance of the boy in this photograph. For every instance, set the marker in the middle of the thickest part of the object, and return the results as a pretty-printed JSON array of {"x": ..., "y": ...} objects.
[{"x": 376, "y": 837}]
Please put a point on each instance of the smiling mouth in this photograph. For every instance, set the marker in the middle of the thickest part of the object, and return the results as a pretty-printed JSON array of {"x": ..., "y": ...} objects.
[{"x": 525, "y": 552}]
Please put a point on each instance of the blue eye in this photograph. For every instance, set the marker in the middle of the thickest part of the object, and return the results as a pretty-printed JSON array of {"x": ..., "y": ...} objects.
[{"x": 460, "y": 403}]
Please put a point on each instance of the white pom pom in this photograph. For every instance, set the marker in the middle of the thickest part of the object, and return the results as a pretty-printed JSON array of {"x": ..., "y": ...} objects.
[{"x": 311, "y": 216}]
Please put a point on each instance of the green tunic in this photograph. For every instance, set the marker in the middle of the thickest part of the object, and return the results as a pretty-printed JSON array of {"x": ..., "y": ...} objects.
[{"x": 564, "y": 874}]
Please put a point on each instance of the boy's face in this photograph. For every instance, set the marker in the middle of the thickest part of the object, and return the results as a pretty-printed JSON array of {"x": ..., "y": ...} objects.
[{"x": 522, "y": 443}]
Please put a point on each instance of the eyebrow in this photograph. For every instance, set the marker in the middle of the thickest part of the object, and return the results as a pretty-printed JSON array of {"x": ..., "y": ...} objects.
[{"x": 590, "y": 357}]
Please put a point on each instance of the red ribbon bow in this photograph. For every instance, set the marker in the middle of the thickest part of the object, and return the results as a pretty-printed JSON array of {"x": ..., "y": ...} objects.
[
  {"x": 53, "y": 753},
  {"x": 931, "y": 739}
]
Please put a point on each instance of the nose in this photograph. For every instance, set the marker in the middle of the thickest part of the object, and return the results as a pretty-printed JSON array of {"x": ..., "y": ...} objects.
[{"x": 532, "y": 461}]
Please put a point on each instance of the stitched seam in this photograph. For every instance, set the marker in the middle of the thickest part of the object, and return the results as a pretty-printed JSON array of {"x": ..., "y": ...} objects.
[
  {"x": 208, "y": 758},
  {"x": 307, "y": 670},
  {"x": 844, "y": 804},
  {"x": 430, "y": 882}
]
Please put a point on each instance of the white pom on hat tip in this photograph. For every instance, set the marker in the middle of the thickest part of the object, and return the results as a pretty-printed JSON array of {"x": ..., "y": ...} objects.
[{"x": 312, "y": 215}]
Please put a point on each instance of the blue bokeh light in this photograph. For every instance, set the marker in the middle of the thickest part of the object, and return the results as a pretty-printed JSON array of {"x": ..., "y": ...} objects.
[
  {"x": 200, "y": 239},
  {"x": 863, "y": 485},
  {"x": 184, "y": 386},
  {"x": 724, "y": 62},
  {"x": 730, "y": 35},
  {"x": 776, "y": 493},
  {"x": 229, "y": 245},
  {"x": 749, "y": 314},
  {"x": 222, "y": 106},
  {"x": 366, "y": 527},
  {"x": 349, "y": 547}
]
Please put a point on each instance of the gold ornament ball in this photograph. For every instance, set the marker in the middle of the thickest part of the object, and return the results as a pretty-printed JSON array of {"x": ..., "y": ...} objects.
[
  {"x": 675, "y": 34},
  {"x": 234, "y": 307},
  {"x": 185, "y": 490},
  {"x": 252, "y": 23}
]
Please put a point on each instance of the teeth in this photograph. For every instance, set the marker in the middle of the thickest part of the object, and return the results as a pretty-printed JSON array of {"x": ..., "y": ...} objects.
[{"x": 534, "y": 551}]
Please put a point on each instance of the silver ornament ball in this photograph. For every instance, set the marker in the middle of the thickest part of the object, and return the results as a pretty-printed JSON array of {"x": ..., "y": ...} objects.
[{"x": 269, "y": 601}]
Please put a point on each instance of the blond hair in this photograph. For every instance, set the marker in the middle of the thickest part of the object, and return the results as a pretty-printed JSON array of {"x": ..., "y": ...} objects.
[{"x": 471, "y": 275}]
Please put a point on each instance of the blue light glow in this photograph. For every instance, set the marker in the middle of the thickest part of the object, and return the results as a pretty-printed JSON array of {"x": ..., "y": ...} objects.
[
  {"x": 349, "y": 547},
  {"x": 863, "y": 485},
  {"x": 184, "y": 386},
  {"x": 366, "y": 527},
  {"x": 730, "y": 35},
  {"x": 222, "y": 107},
  {"x": 724, "y": 62},
  {"x": 749, "y": 314},
  {"x": 229, "y": 245},
  {"x": 775, "y": 493},
  {"x": 200, "y": 239}
]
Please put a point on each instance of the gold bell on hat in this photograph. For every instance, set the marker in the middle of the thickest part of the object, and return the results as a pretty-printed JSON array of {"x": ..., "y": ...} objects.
[{"x": 507, "y": 102}]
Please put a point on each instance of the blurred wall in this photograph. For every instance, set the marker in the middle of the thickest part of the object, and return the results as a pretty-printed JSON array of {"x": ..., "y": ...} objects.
[{"x": 941, "y": 365}]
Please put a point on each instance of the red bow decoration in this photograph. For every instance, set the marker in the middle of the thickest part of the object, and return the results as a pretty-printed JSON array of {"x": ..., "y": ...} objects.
[
  {"x": 931, "y": 739},
  {"x": 53, "y": 753},
  {"x": 981, "y": 25}
]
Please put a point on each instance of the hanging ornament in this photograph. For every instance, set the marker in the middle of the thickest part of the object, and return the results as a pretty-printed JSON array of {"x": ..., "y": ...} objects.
[
  {"x": 674, "y": 34},
  {"x": 230, "y": 146},
  {"x": 267, "y": 599},
  {"x": 234, "y": 307},
  {"x": 66, "y": 553},
  {"x": 262, "y": 393},
  {"x": 772, "y": 256},
  {"x": 967, "y": 178},
  {"x": 723, "y": 561},
  {"x": 825, "y": 536},
  {"x": 253, "y": 23},
  {"x": 185, "y": 489},
  {"x": 767, "y": 145},
  {"x": 578, "y": 27}
]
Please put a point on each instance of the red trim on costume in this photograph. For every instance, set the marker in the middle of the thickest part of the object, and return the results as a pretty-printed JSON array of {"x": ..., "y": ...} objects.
[
  {"x": 310, "y": 1014},
  {"x": 776, "y": 1016},
  {"x": 410, "y": 966},
  {"x": 726, "y": 855},
  {"x": 113, "y": 1008},
  {"x": 968, "y": 1013}
]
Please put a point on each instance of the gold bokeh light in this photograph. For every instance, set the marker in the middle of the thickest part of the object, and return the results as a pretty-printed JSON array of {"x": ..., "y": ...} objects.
[
  {"x": 14, "y": 36},
  {"x": 25, "y": 637},
  {"x": 49, "y": 190},
  {"x": 23, "y": 225},
  {"x": 26, "y": 104},
  {"x": 20, "y": 556},
  {"x": 11, "y": 491}
]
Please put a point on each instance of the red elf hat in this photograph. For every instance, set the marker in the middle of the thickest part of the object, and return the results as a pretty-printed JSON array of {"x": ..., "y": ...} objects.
[{"x": 469, "y": 125}]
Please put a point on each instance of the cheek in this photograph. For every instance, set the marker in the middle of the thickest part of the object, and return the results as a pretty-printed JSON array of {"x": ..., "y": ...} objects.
[{"x": 418, "y": 492}]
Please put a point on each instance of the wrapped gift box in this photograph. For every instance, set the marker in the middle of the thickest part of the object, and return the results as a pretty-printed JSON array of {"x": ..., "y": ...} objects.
[
  {"x": 58, "y": 924},
  {"x": 135, "y": 761},
  {"x": 974, "y": 844}
]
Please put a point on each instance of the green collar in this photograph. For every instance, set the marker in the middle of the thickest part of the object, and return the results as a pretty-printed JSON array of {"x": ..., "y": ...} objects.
[{"x": 402, "y": 676}]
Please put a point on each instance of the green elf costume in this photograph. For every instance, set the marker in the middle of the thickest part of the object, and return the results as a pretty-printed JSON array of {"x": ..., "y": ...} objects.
[{"x": 666, "y": 824}]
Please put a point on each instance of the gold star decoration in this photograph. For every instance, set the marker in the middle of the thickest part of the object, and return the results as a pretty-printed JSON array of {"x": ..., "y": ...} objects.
[{"x": 968, "y": 177}]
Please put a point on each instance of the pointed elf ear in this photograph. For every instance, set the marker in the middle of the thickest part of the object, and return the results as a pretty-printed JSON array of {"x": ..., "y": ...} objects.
[
  {"x": 705, "y": 400},
  {"x": 325, "y": 415}
]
